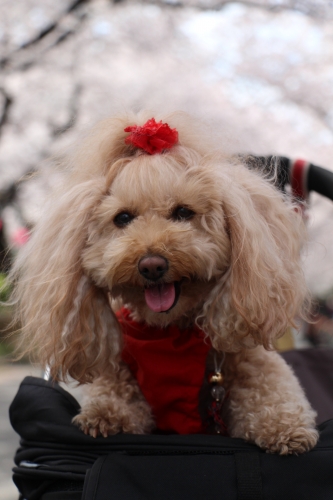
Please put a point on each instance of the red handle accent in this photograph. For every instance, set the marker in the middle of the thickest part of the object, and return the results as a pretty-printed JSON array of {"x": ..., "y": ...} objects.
[{"x": 298, "y": 178}]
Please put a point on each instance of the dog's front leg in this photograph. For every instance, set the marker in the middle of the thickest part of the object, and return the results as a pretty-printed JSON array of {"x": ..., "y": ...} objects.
[
  {"x": 113, "y": 403},
  {"x": 267, "y": 405}
]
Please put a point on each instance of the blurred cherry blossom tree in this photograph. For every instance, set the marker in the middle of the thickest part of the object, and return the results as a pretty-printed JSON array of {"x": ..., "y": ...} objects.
[{"x": 260, "y": 71}]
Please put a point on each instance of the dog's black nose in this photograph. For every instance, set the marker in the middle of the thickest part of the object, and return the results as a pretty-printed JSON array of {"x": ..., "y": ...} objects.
[{"x": 153, "y": 267}]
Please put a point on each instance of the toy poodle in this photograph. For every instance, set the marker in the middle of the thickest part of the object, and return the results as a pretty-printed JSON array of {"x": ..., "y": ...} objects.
[{"x": 160, "y": 275}]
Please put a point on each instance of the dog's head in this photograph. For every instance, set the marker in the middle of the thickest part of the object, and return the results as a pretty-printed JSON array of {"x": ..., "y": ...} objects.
[
  {"x": 187, "y": 235},
  {"x": 158, "y": 238}
]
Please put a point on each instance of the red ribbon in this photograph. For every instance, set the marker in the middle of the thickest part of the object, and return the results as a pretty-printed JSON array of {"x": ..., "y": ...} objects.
[{"x": 152, "y": 137}]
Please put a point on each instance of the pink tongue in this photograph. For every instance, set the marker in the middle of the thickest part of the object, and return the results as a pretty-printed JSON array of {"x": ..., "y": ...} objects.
[{"x": 160, "y": 297}]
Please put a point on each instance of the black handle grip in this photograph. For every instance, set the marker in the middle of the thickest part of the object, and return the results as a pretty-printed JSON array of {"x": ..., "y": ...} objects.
[{"x": 320, "y": 180}]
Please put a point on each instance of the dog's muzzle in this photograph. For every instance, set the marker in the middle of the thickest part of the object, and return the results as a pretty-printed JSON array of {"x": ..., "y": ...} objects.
[{"x": 160, "y": 297}]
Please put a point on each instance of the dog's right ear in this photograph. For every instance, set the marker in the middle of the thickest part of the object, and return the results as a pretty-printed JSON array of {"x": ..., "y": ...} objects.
[{"x": 66, "y": 321}]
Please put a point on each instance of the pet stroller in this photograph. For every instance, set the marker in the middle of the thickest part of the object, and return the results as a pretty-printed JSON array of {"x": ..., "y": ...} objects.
[{"x": 56, "y": 461}]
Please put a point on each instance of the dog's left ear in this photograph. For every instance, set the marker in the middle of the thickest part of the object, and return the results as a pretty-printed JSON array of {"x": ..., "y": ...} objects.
[
  {"x": 66, "y": 319},
  {"x": 264, "y": 287}
]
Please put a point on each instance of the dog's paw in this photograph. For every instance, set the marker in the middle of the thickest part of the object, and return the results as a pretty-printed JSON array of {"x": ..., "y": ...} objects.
[
  {"x": 133, "y": 419},
  {"x": 96, "y": 425},
  {"x": 295, "y": 441}
]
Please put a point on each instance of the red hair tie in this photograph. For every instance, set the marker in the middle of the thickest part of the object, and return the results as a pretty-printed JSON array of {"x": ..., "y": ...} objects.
[{"x": 152, "y": 137}]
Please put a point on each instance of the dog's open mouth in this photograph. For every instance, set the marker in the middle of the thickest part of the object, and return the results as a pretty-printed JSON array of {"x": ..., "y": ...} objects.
[{"x": 162, "y": 297}]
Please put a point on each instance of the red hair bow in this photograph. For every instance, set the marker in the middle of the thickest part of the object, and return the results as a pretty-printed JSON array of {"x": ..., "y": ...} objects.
[{"x": 152, "y": 137}]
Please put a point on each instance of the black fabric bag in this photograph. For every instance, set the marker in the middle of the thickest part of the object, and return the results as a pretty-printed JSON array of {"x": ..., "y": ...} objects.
[{"x": 56, "y": 461}]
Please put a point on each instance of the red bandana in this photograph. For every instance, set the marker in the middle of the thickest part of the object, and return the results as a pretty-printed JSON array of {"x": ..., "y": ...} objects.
[{"x": 169, "y": 365}]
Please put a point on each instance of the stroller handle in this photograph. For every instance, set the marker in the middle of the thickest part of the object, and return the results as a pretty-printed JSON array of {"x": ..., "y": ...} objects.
[{"x": 301, "y": 175}]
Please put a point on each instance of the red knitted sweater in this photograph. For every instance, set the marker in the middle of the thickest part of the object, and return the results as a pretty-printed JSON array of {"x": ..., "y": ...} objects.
[{"x": 169, "y": 365}]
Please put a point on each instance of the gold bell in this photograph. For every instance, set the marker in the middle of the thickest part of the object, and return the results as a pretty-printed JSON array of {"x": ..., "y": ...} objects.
[{"x": 216, "y": 378}]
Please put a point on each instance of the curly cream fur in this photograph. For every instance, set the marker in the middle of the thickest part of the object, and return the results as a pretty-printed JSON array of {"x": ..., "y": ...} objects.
[{"x": 237, "y": 260}]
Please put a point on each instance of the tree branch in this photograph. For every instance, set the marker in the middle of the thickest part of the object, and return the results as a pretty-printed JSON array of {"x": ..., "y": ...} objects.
[
  {"x": 310, "y": 8},
  {"x": 7, "y": 102},
  {"x": 51, "y": 27}
]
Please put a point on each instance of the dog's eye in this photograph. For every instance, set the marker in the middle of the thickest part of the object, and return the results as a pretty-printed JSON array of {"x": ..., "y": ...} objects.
[
  {"x": 183, "y": 213},
  {"x": 123, "y": 218}
]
